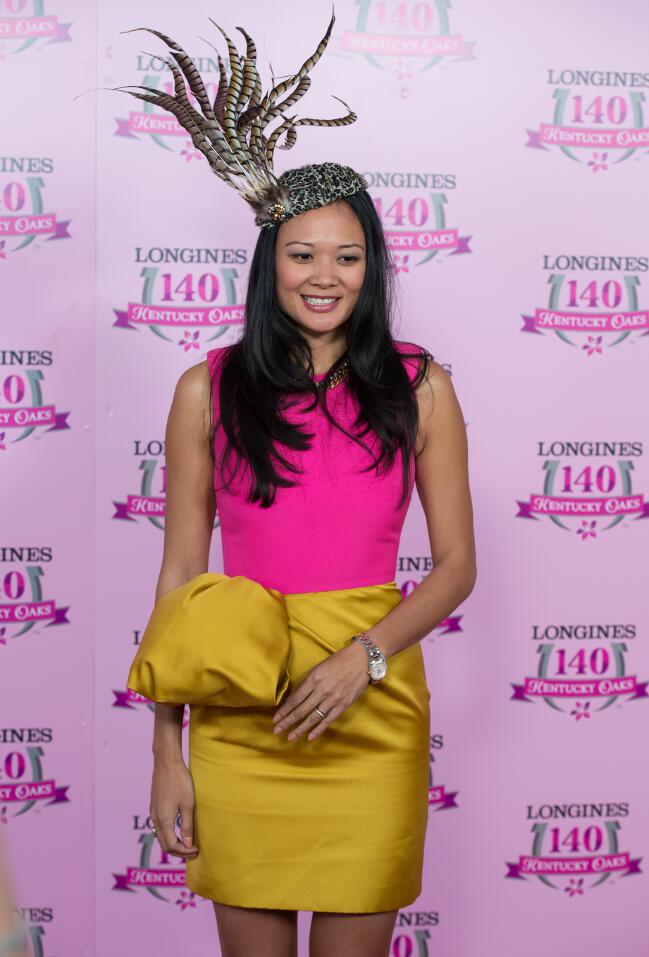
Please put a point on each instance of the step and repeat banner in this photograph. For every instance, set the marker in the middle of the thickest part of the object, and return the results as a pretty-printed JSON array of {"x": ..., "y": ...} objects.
[{"x": 506, "y": 145}]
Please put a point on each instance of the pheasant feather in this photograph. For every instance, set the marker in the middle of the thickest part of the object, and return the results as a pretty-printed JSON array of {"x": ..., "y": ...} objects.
[{"x": 234, "y": 131}]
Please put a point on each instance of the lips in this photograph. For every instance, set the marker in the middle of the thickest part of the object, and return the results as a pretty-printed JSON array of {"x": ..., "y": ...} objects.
[{"x": 321, "y": 303}]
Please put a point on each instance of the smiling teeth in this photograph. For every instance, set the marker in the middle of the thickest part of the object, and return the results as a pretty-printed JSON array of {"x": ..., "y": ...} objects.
[{"x": 318, "y": 301}]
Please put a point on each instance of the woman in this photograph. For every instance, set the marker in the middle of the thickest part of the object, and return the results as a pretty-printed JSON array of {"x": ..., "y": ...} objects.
[{"x": 309, "y": 725}]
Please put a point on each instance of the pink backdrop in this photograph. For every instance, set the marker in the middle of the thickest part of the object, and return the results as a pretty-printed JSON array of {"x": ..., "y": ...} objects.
[{"x": 506, "y": 147}]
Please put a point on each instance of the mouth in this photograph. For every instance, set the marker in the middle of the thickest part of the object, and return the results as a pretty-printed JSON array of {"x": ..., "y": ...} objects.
[{"x": 320, "y": 303}]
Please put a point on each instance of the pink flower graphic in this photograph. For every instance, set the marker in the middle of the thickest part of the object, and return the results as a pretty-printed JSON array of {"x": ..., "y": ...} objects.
[
  {"x": 401, "y": 262},
  {"x": 185, "y": 900},
  {"x": 3, "y": 815},
  {"x": 587, "y": 529},
  {"x": 403, "y": 70},
  {"x": 581, "y": 710},
  {"x": 3, "y": 254},
  {"x": 2, "y": 440},
  {"x": 575, "y": 886},
  {"x": 593, "y": 344},
  {"x": 598, "y": 161},
  {"x": 189, "y": 152},
  {"x": 3, "y": 640},
  {"x": 190, "y": 340}
]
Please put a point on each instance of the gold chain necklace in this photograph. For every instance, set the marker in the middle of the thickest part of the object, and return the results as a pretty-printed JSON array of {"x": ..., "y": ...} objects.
[{"x": 331, "y": 380}]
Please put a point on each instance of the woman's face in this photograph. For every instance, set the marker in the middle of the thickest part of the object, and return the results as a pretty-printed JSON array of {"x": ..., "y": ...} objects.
[{"x": 320, "y": 267}]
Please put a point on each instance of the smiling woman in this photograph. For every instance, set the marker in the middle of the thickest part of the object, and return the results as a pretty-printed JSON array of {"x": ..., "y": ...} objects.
[
  {"x": 301, "y": 661},
  {"x": 320, "y": 268}
]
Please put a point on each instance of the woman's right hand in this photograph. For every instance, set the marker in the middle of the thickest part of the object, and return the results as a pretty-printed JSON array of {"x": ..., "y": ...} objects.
[{"x": 172, "y": 793}]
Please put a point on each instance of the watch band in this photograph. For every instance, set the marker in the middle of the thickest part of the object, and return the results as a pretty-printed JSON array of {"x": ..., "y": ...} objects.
[{"x": 377, "y": 665}]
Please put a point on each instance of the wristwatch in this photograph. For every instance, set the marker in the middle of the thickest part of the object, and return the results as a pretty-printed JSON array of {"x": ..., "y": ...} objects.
[{"x": 377, "y": 665}]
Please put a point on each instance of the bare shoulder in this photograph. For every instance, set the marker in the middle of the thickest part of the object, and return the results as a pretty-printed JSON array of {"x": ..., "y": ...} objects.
[
  {"x": 191, "y": 407},
  {"x": 439, "y": 408}
]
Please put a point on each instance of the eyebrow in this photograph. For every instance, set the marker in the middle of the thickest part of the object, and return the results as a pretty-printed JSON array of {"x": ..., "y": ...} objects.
[{"x": 300, "y": 242}]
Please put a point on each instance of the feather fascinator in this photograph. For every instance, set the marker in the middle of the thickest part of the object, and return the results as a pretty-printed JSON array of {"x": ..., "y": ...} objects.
[{"x": 233, "y": 131}]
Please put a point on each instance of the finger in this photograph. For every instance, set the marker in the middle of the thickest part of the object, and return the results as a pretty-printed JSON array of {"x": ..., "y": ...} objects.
[
  {"x": 179, "y": 848},
  {"x": 165, "y": 834},
  {"x": 325, "y": 722},
  {"x": 187, "y": 827},
  {"x": 300, "y": 711},
  {"x": 169, "y": 840},
  {"x": 296, "y": 698},
  {"x": 311, "y": 718}
]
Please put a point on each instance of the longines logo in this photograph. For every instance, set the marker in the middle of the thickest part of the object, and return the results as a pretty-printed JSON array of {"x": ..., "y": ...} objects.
[
  {"x": 412, "y": 208},
  {"x": 587, "y": 487},
  {"x": 188, "y": 308},
  {"x": 149, "y": 504},
  {"x": 403, "y": 39},
  {"x": 159, "y": 874},
  {"x": 575, "y": 847},
  {"x": 24, "y": 219},
  {"x": 593, "y": 302},
  {"x": 597, "y": 117},
  {"x": 22, "y": 389},
  {"x": 24, "y": 24},
  {"x": 581, "y": 669},
  {"x": 23, "y": 784},
  {"x": 23, "y": 607}
]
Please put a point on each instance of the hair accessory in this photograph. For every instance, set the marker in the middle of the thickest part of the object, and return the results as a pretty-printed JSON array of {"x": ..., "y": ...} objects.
[{"x": 232, "y": 131}]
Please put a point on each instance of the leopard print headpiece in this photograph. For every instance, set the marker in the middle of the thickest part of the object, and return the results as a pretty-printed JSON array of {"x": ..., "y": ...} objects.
[
  {"x": 309, "y": 187},
  {"x": 232, "y": 131}
]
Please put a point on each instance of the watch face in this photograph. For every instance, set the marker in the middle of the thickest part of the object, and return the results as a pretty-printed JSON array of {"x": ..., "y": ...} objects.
[{"x": 377, "y": 669}]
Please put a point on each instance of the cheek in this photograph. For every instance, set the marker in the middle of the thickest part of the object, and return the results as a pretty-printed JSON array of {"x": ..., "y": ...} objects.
[
  {"x": 357, "y": 279},
  {"x": 287, "y": 278}
]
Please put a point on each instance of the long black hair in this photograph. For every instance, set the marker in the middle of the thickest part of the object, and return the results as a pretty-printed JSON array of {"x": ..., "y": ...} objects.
[{"x": 260, "y": 372}]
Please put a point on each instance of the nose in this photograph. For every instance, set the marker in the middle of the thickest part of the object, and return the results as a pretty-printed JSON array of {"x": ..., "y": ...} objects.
[{"x": 323, "y": 273}]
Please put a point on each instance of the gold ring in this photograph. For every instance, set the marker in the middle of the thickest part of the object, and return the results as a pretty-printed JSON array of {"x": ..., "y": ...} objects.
[{"x": 321, "y": 713}]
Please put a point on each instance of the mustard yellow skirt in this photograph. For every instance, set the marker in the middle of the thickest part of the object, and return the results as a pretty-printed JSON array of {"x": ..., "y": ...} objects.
[{"x": 333, "y": 824}]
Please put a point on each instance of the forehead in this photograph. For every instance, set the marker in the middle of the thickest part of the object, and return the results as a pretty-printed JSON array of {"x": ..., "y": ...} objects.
[{"x": 335, "y": 223}]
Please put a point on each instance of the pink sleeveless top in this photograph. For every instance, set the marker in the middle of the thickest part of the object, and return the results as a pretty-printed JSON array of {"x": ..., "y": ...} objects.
[{"x": 337, "y": 528}]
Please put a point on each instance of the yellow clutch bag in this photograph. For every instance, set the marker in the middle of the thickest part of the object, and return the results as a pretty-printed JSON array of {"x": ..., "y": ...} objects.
[{"x": 216, "y": 640}]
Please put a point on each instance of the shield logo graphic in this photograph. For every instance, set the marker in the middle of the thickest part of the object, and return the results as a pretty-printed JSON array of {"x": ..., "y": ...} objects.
[
  {"x": 16, "y": 766},
  {"x": 407, "y": 37},
  {"x": 607, "y": 479},
  {"x": 593, "y": 121},
  {"x": 415, "y": 228},
  {"x": 23, "y": 610},
  {"x": 597, "y": 663},
  {"x": 187, "y": 302},
  {"x": 609, "y": 303},
  {"x": 23, "y": 217},
  {"x": 583, "y": 840},
  {"x": 31, "y": 27},
  {"x": 17, "y": 386}
]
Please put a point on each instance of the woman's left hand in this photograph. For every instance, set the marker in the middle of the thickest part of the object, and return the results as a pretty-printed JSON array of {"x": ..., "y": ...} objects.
[{"x": 333, "y": 685}]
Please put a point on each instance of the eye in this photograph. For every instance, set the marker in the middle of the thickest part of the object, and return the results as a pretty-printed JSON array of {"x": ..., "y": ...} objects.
[{"x": 304, "y": 257}]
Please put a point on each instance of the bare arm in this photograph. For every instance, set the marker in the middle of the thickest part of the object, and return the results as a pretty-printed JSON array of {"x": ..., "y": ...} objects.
[
  {"x": 443, "y": 487},
  {"x": 441, "y": 476},
  {"x": 189, "y": 517}
]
